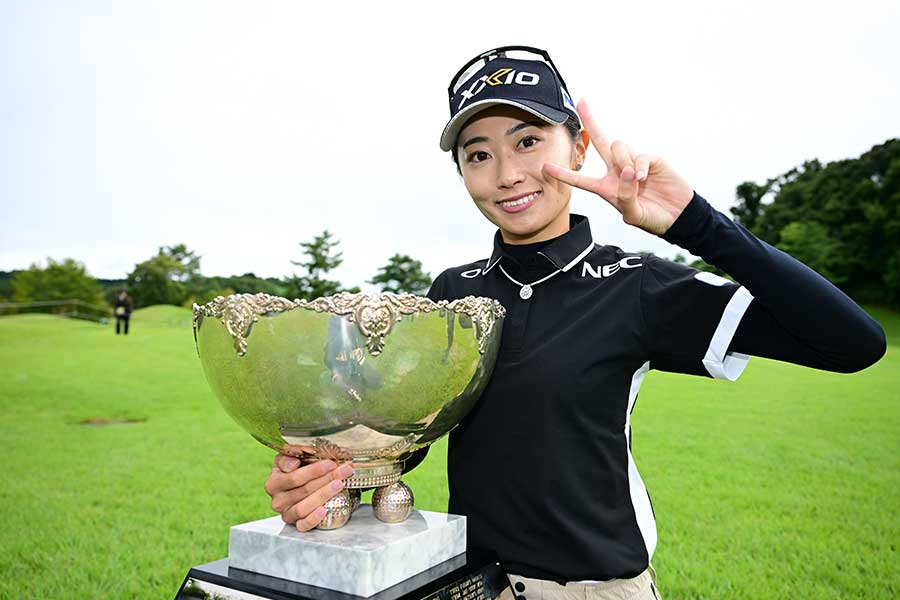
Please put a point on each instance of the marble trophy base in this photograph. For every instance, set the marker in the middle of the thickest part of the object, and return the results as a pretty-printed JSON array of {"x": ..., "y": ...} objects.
[{"x": 362, "y": 558}]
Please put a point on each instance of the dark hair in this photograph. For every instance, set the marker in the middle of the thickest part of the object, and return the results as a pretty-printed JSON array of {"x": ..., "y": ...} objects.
[{"x": 572, "y": 126}]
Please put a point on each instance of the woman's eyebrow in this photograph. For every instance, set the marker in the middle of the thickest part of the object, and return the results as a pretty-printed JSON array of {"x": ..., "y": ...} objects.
[
  {"x": 522, "y": 125},
  {"x": 474, "y": 140},
  {"x": 509, "y": 131}
]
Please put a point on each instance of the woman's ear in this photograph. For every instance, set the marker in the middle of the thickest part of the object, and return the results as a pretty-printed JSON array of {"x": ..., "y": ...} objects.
[{"x": 581, "y": 145}]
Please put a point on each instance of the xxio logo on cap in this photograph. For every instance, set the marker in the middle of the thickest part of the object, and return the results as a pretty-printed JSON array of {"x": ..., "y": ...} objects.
[{"x": 503, "y": 76}]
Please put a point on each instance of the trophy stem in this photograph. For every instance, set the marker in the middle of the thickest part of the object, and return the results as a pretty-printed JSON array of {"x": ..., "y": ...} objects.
[
  {"x": 392, "y": 501},
  {"x": 374, "y": 475}
]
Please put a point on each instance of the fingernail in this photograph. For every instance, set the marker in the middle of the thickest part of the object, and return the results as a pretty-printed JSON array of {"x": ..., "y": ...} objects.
[
  {"x": 292, "y": 463},
  {"x": 319, "y": 513},
  {"x": 328, "y": 464},
  {"x": 628, "y": 174},
  {"x": 337, "y": 485},
  {"x": 641, "y": 175},
  {"x": 345, "y": 471}
]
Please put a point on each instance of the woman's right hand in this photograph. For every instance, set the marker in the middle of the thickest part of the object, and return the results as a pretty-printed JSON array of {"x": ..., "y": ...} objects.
[{"x": 300, "y": 492}]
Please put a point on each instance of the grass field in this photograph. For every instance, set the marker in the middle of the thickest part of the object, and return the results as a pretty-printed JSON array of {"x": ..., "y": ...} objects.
[{"x": 785, "y": 484}]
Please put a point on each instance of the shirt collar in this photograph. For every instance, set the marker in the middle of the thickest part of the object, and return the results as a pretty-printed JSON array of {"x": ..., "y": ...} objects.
[{"x": 564, "y": 252}]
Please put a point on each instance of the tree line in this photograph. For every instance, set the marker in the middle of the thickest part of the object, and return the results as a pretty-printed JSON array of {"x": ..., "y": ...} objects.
[
  {"x": 173, "y": 276},
  {"x": 841, "y": 218}
]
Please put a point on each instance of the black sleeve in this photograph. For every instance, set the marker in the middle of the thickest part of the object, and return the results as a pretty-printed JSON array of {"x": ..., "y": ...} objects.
[
  {"x": 796, "y": 314},
  {"x": 437, "y": 290},
  {"x": 690, "y": 318}
]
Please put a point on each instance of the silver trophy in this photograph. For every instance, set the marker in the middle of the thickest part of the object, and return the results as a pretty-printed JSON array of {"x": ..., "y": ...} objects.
[{"x": 360, "y": 378}]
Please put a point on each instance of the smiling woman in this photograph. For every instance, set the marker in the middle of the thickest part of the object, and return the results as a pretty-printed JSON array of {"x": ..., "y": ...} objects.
[
  {"x": 542, "y": 466},
  {"x": 502, "y": 151}
]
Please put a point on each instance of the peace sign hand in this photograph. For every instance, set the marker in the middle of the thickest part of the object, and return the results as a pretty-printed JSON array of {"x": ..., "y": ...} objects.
[{"x": 647, "y": 192}]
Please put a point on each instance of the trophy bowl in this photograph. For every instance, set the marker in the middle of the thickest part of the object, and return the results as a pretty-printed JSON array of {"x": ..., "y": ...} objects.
[{"x": 360, "y": 378}]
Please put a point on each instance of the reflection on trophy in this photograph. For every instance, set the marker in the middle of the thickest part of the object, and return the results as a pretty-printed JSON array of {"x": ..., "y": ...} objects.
[{"x": 360, "y": 378}]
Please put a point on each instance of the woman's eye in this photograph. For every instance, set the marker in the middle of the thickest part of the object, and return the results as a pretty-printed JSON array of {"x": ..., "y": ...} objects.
[
  {"x": 528, "y": 141},
  {"x": 478, "y": 156}
]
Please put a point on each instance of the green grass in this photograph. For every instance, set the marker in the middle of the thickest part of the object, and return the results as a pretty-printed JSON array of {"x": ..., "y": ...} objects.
[{"x": 785, "y": 484}]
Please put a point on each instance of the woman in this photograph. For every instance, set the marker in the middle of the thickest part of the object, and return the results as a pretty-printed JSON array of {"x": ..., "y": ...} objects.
[{"x": 542, "y": 467}]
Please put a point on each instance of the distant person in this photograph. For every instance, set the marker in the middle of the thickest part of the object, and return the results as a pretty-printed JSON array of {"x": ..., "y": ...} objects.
[{"x": 123, "y": 311}]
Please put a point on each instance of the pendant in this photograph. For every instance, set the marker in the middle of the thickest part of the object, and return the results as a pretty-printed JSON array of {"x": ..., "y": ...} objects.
[{"x": 525, "y": 292}]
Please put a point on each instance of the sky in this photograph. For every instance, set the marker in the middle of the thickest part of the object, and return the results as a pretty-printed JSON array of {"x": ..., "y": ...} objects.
[{"x": 244, "y": 128}]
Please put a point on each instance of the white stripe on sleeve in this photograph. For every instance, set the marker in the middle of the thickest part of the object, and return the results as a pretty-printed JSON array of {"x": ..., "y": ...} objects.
[{"x": 718, "y": 362}]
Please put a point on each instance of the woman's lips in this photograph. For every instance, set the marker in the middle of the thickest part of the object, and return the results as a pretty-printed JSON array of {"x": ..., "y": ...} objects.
[{"x": 519, "y": 204}]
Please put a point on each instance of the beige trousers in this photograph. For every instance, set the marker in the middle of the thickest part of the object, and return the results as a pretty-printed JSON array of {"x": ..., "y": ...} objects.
[{"x": 641, "y": 587}]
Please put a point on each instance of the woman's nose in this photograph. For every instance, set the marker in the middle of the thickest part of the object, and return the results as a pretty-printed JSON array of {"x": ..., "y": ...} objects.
[{"x": 510, "y": 171}]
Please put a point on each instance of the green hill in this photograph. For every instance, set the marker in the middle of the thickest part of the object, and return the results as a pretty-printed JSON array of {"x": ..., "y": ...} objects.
[{"x": 163, "y": 315}]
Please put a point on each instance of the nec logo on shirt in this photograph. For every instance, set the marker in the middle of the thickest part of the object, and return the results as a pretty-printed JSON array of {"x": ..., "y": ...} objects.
[{"x": 608, "y": 270}]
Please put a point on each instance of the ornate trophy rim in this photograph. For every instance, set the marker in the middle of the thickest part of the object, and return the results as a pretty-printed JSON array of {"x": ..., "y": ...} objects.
[{"x": 374, "y": 313}]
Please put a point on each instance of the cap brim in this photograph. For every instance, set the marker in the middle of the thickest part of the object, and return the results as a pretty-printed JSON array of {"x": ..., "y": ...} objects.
[{"x": 451, "y": 131}]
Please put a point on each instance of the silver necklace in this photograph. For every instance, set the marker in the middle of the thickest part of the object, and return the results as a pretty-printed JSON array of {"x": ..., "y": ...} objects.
[{"x": 526, "y": 291}]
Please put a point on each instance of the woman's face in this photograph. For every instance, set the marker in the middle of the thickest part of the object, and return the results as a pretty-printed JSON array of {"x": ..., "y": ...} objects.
[{"x": 501, "y": 154}]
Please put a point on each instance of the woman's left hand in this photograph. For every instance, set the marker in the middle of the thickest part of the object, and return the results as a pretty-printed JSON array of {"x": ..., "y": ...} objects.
[{"x": 643, "y": 188}]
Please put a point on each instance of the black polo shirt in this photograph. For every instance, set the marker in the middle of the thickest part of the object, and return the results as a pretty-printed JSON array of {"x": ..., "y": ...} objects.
[{"x": 542, "y": 466}]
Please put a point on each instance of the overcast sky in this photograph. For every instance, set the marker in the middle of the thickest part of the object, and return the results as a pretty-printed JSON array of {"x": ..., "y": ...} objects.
[{"x": 241, "y": 129}]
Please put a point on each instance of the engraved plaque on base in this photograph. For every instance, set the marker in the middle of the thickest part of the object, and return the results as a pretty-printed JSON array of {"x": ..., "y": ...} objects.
[{"x": 469, "y": 576}]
